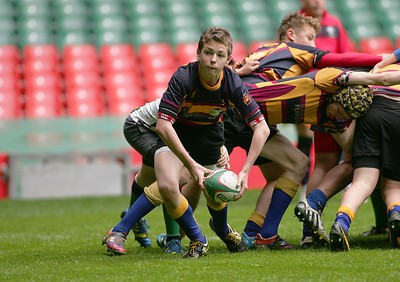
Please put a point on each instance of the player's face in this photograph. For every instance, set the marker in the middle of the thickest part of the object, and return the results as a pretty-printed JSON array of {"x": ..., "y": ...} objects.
[
  {"x": 305, "y": 36},
  {"x": 335, "y": 111},
  {"x": 315, "y": 8},
  {"x": 213, "y": 58}
]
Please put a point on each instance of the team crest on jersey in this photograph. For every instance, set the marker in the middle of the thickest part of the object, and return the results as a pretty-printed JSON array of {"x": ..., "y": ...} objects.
[{"x": 246, "y": 98}]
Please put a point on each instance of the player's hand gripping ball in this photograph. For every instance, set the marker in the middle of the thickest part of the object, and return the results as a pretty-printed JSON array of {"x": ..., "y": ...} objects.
[{"x": 221, "y": 185}]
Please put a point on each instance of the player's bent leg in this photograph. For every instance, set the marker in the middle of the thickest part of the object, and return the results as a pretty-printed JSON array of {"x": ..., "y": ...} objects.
[{"x": 218, "y": 223}]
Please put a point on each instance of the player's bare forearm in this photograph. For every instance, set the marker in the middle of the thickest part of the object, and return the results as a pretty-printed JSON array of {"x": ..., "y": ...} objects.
[{"x": 365, "y": 78}]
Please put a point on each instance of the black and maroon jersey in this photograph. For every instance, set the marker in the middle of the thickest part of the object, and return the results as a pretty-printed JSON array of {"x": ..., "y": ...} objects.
[{"x": 188, "y": 100}]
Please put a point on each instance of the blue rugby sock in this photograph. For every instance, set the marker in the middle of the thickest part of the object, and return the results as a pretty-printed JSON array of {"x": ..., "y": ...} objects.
[
  {"x": 317, "y": 200},
  {"x": 392, "y": 209},
  {"x": 220, "y": 221},
  {"x": 345, "y": 220},
  {"x": 279, "y": 203},
  {"x": 251, "y": 228},
  {"x": 190, "y": 226},
  {"x": 140, "y": 208}
]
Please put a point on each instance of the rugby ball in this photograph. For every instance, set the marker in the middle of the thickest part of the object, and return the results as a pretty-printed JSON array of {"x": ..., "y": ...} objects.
[{"x": 220, "y": 185}]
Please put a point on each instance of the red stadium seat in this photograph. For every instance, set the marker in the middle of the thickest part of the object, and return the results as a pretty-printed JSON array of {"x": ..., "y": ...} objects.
[
  {"x": 155, "y": 49},
  {"x": 85, "y": 109},
  {"x": 159, "y": 77},
  {"x": 43, "y": 104},
  {"x": 10, "y": 81},
  {"x": 154, "y": 92},
  {"x": 239, "y": 51},
  {"x": 40, "y": 65},
  {"x": 256, "y": 44},
  {"x": 10, "y": 104},
  {"x": 79, "y": 65},
  {"x": 376, "y": 45},
  {"x": 110, "y": 52},
  {"x": 43, "y": 52},
  {"x": 186, "y": 52},
  {"x": 82, "y": 79},
  {"x": 87, "y": 51},
  {"x": 43, "y": 81},
  {"x": 125, "y": 106},
  {"x": 9, "y": 52}
]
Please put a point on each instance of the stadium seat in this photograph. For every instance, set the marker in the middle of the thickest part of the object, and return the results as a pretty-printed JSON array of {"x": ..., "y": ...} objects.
[
  {"x": 10, "y": 104},
  {"x": 85, "y": 101},
  {"x": 44, "y": 52},
  {"x": 9, "y": 52},
  {"x": 186, "y": 52},
  {"x": 43, "y": 103},
  {"x": 376, "y": 45},
  {"x": 154, "y": 92},
  {"x": 116, "y": 51},
  {"x": 239, "y": 51},
  {"x": 156, "y": 56},
  {"x": 87, "y": 51},
  {"x": 9, "y": 60},
  {"x": 85, "y": 109},
  {"x": 253, "y": 27}
]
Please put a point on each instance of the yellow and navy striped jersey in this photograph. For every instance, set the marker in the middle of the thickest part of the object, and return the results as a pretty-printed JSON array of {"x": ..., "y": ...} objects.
[
  {"x": 301, "y": 99},
  {"x": 282, "y": 60}
]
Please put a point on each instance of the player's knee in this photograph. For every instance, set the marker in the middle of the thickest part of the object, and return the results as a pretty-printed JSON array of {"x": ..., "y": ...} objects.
[{"x": 152, "y": 193}]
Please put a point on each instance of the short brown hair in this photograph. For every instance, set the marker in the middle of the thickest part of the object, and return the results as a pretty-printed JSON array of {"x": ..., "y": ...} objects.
[
  {"x": 218, "y": 34},
  {"x": 296, "y": 21}
]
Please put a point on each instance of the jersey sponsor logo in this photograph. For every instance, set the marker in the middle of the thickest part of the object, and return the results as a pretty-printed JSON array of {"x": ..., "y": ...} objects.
[{"x": 213, "y": 116}]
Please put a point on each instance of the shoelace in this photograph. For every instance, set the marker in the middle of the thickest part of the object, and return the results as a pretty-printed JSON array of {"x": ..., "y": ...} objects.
[
  {"x": 234, "y": 236},
  {"x": 192, "y": 247}
]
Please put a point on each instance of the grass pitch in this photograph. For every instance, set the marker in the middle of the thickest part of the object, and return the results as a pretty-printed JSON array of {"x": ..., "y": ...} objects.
[{"x": 53, "y": 240}]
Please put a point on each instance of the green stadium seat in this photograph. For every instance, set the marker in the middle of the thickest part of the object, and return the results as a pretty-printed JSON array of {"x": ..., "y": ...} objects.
[
  {"x": 186, "y": 35},
  {"x": 388, "y": 16},
  {"x": 279, "y": 9},
  {"x": 66, "y": 8},
  {"x": 33, "y": 37},
  {"x": 210, "y": 14},
  {"x": 136, "y": 8},
  {"x": 254, "y": 28},
  {"x": 72, "y": 22},
  {"x": 27, "y": 24},
  {"x": 148, "y": 36},
  {"x": 7, "y": 9},
  {"x": 110, "y": 36},
  {"x": 72, "y": 37},
  {"x": 7, "y": 31},
  {"x": 33, "y": 8}
]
